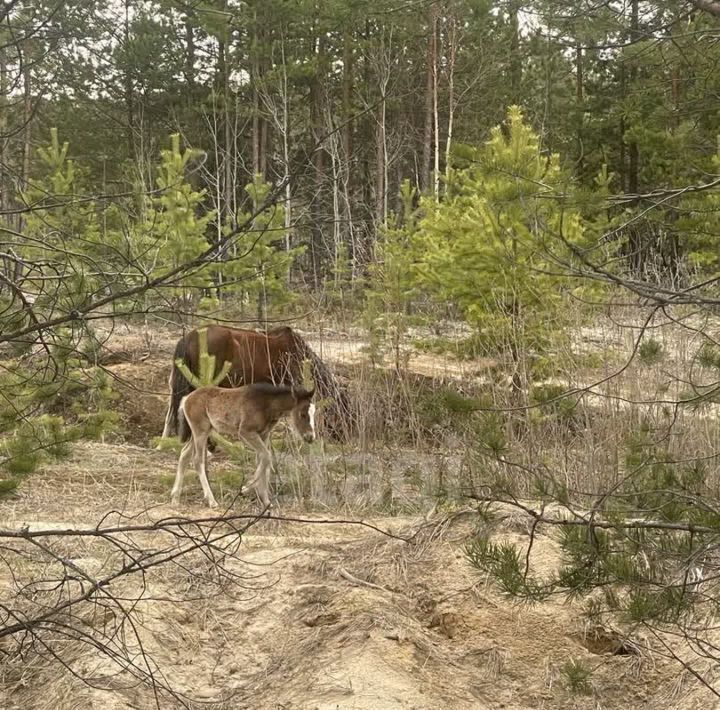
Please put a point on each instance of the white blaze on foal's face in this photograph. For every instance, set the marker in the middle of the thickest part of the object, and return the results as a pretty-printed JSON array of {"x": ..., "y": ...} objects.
[
  {"x": 303, "y": 420},
  {"x": 311, "y": 413}
]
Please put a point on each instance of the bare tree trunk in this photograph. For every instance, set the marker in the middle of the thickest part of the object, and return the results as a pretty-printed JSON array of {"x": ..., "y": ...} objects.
[
  {"x": 347, "y": 149},
  {"x": 436, "y": 127},
  {"x": 429, "y": 96},
  {"x": 384, "y": 69},
  {"x": 255, "y": 111},
  {"x": 215, "y": 178},
  {"x": 515, "y": 58},
  {"x": 335, "y": 153},
  {"x": 255, "y": 131},
  {"x": 27, "y": 128},
  {"x": 259, "y": 129},
  {"x": 347, "y": 82},
  {"x": 276, "y": 99},
  {"x": 579, "y": 102},
  {"x": 380, "y": 166},
  {"x": 452, "y": 56},
  {"x": 622, "y": 167},
  {"x": 27, "y": 117},
  {"x": 318, "y": 159},
  {"x": 189, "y": 55},
  {"x": 224, "y": 86},
  {"x": 265, "y": 141},
  {"x": 633, "y": 151},
  {"x": 367, "y": 130},
  {"x": 4, "y": 182},
  {"x": 286, "y": 149},
  {"x": 129, "y": 95}
]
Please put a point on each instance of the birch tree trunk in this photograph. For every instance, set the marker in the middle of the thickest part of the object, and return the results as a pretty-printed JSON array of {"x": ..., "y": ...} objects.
[{"x": 452, "y": 56}]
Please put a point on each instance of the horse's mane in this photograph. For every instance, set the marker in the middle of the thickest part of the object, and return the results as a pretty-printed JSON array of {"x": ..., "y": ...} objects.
[{"x": 326, "y": 383}]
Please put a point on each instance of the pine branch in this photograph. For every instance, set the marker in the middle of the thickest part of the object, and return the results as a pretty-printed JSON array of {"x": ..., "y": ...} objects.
[
  {"x": 591, "y": 522},
  {"x": 206, "y": 376}
]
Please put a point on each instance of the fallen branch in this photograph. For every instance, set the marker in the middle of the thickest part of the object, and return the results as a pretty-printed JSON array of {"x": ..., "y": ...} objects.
[
  {"x": 592, "y": 522},
  {"x": 360, "y": 582}
]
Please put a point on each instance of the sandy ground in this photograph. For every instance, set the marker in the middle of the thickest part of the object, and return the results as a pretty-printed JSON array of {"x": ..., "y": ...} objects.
[{"x": 320, "y": 616}]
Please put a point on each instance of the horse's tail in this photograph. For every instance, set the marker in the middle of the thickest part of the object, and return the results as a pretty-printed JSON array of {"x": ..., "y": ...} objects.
[
  {"x": 328, "y": 386},
  {"x": 180, "y": 387}
]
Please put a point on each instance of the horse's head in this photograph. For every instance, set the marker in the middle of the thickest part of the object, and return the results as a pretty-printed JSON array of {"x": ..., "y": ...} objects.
[{"x": 303, "y": 414}]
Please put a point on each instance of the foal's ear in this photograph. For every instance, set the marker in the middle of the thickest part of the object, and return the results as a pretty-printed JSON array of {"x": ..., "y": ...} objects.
[{"x": 301, "y": 394}]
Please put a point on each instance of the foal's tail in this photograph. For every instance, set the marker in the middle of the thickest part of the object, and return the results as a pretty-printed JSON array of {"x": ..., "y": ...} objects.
[{"x": 179, "y": 388}]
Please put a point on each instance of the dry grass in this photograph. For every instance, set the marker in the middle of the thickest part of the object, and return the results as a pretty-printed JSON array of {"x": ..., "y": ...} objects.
[
  {"x": 410, "y": 625},
  {"x": 336, "y": 616}
]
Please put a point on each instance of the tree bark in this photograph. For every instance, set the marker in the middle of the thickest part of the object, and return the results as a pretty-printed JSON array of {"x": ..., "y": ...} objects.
[
  {"x": 224, "y": 91},
  {"x": 27, "y": 127},
  {"x": 346, "y": 170},
  {"x": 580, "y": 108},
  {"x": 318, "y": 158},
  {"x": 190, "y": 55},
  {"x": 633, "y": 151},
  {"x": 429, "y": 94},
  {"x": 515, "y": 58},
  {"x": 128, "y": 78},
  {"x": 286, "y": 149},
  {"x": 347, "y": 81},
  {"x": 367, "y": 136},
  {"x": 380, "y": 165},
  {"x": 622, "y": 162},
  {"x": 452, "y": 49},
  {"x": 4, "y": 182},
  {"x": 436, "y": 117}
]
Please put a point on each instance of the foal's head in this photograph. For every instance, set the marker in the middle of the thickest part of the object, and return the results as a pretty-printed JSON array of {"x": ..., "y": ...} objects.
[{"x": 303, "y": 414}]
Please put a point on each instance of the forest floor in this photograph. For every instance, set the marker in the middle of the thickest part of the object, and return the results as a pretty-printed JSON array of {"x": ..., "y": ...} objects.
[{"x": 326, "y": 615}]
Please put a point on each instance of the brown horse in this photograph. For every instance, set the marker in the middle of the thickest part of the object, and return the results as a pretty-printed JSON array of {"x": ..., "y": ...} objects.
[
  {"x": 249, "y": 413},
  {"x": 274, "y": 357}
]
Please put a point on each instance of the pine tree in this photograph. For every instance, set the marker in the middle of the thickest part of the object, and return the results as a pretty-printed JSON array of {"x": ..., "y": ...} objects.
[
  {"x": 174, "y": 229},
  {"x": 488, "y": 246},
  {"x": 393, "y": 281},
  {"x": 62, "y": 235},
  {"x": 258, "y": 267}
]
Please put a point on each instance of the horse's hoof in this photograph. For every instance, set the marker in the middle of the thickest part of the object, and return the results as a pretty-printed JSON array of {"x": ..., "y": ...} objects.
[
  {"x": 212, "y": 503},
  {"x": 175, "y": 500}
]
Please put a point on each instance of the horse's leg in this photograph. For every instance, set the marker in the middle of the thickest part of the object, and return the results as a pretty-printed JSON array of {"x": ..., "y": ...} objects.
[
  {"x": 167, "y": 429},
  {"x": 259, "y": 481},
  {"x": 201, "y": 458},
  {"x": 185, "y": 455}
]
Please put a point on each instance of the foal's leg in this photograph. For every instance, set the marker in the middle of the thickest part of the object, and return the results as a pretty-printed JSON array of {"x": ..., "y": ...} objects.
[
  {"x": 185, "y": 455},
  {"x": 260, "y": 480},
  {"x": 201, "y": 459}
]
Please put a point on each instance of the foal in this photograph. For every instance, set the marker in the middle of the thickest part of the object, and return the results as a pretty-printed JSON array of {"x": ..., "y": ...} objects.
[{"x": 249, "y": 413}]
